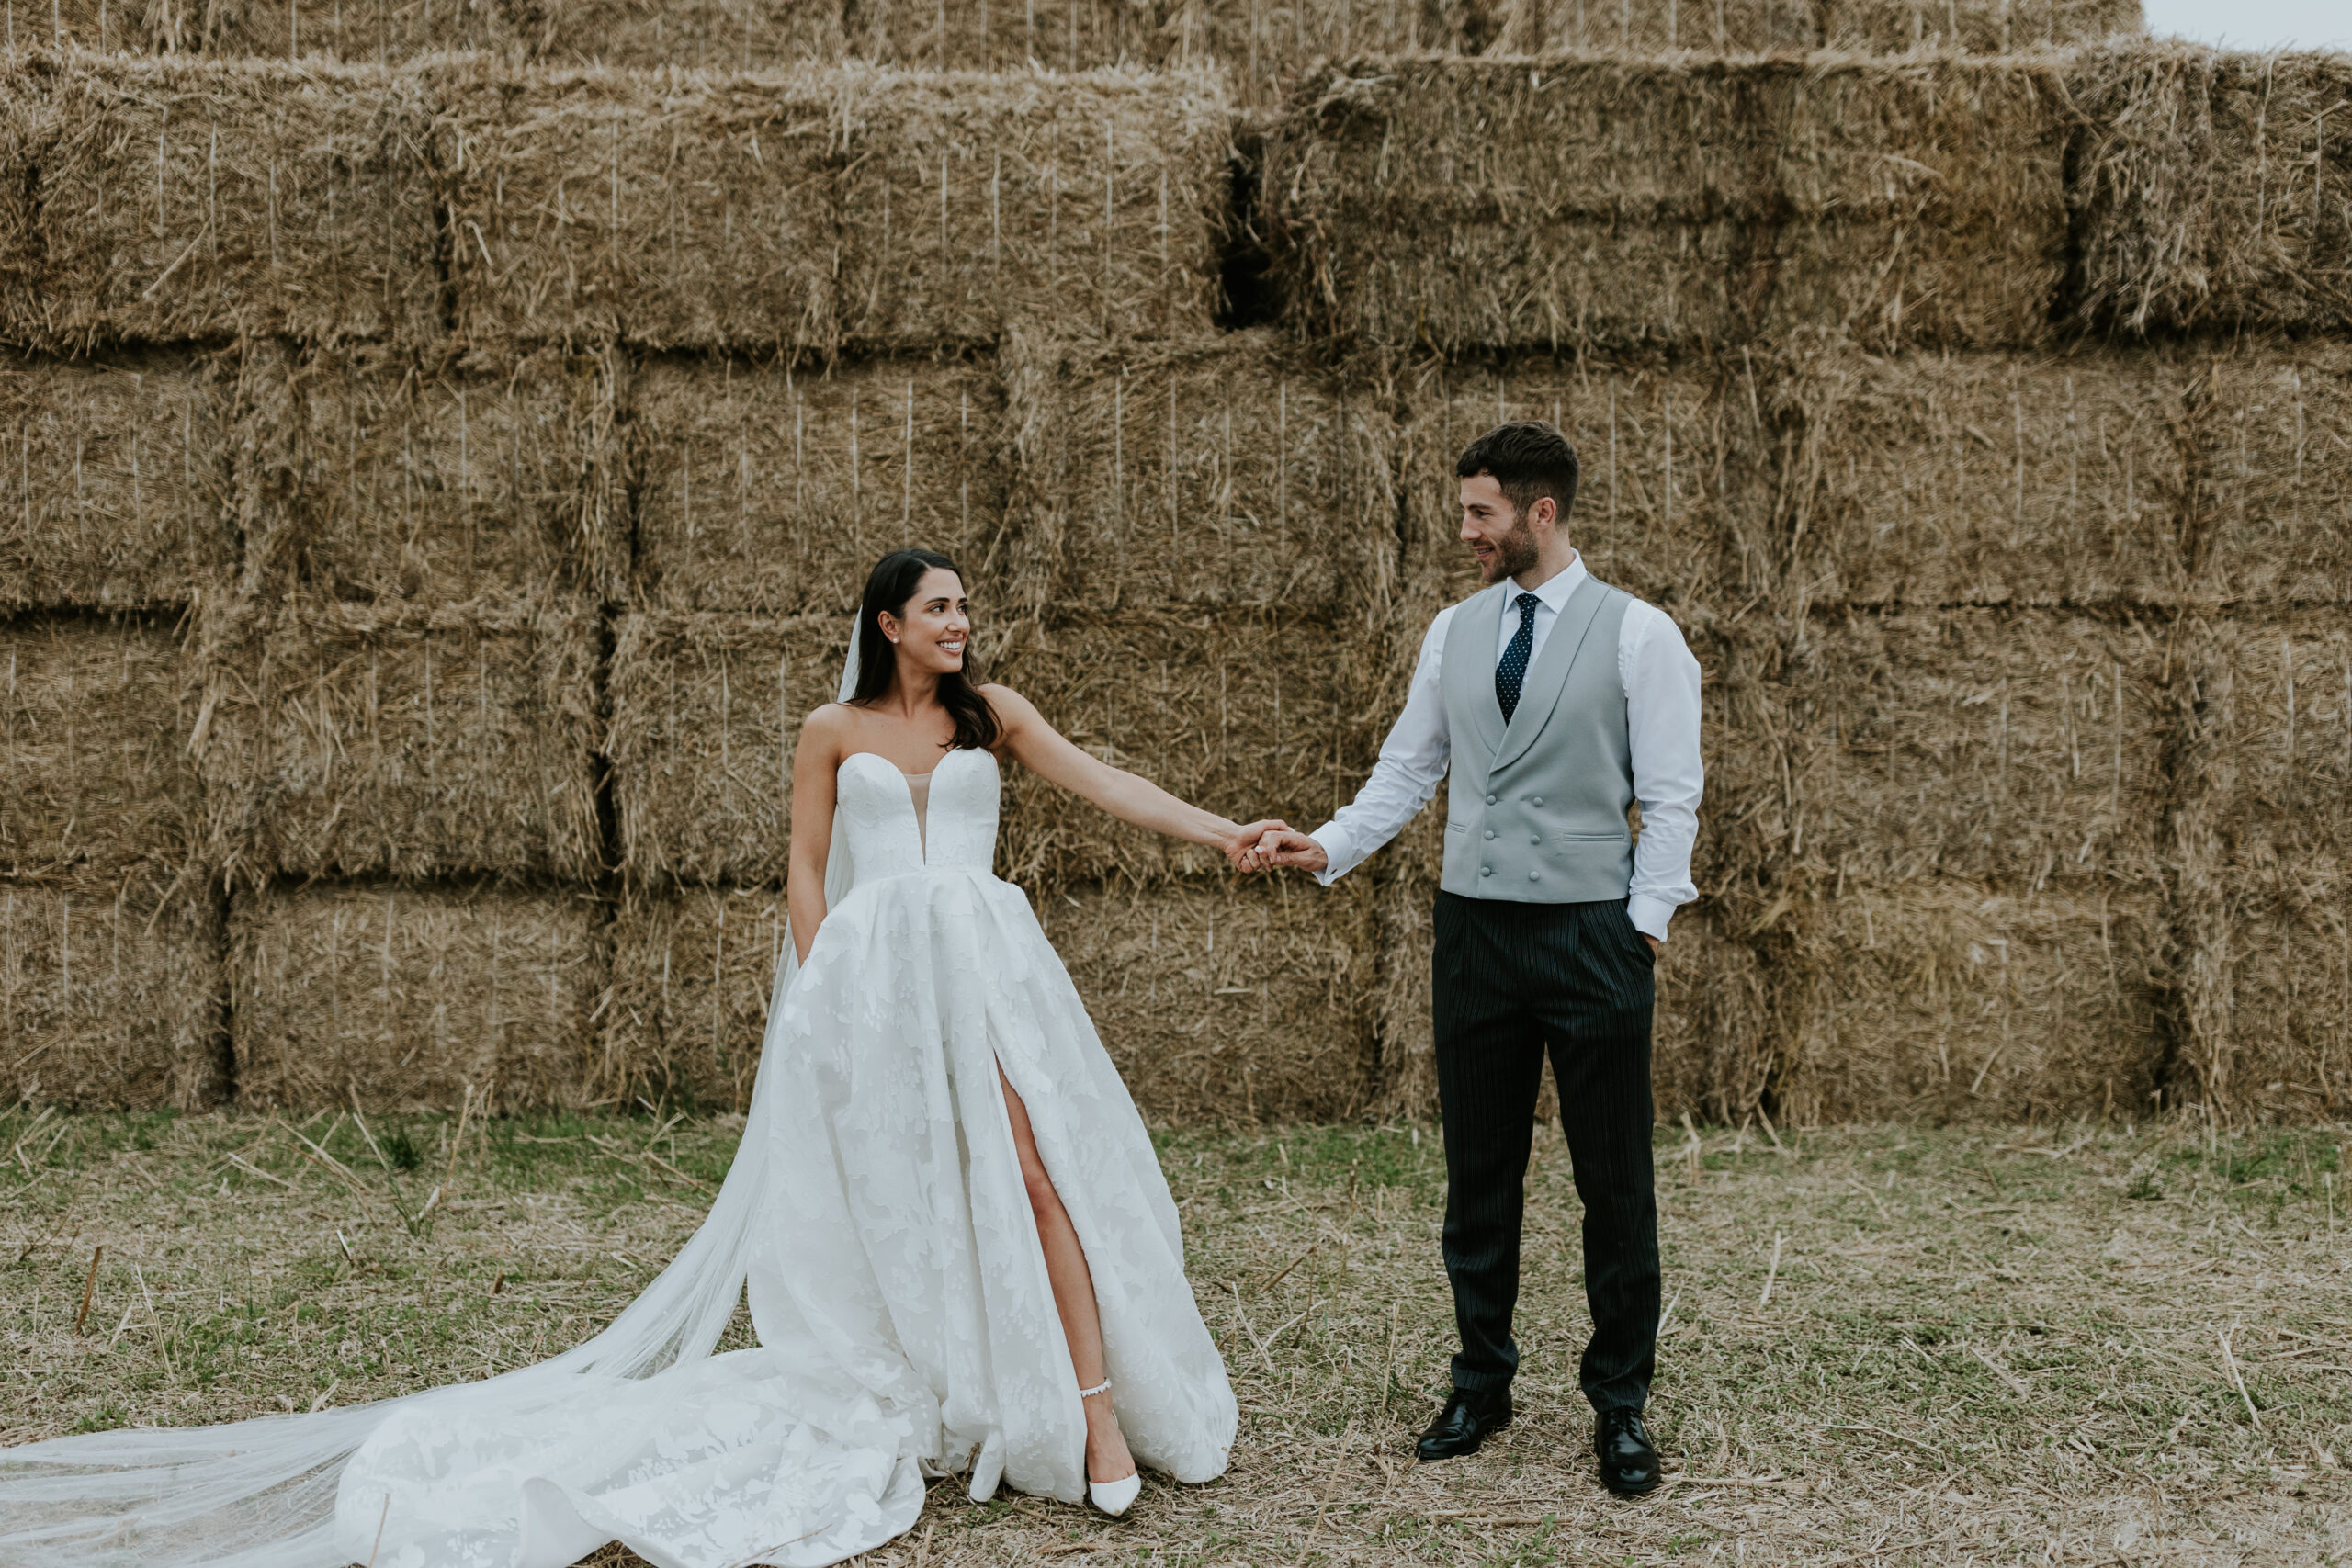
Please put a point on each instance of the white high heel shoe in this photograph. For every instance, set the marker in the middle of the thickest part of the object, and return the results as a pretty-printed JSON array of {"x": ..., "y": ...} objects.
[{"x": 1112, "y": 1497}]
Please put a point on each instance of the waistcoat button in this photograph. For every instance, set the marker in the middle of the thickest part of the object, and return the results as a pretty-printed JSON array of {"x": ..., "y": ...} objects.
[
  {"x": 1490, "y": 800},
  {"x": 1485, "y": 870},
  {"x": 1537, "y": 840},
  {"x": 1490, "y": 832},
  {"x": 1534, "y": 877},
  {"x": 1537, "y": 801}
]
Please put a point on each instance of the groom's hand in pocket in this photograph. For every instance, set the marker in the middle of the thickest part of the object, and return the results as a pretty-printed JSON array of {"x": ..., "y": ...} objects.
[
  {"x": 1241, "y": 850},
  {"x": 1289, "y": 847}
]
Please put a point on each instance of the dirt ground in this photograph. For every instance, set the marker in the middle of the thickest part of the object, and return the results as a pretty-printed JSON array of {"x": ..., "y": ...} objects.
[{"x": 2074, "y": 1344}]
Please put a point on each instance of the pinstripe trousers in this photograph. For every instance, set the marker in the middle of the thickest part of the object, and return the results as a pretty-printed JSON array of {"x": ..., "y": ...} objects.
[{"x": 1512, "y": 980}]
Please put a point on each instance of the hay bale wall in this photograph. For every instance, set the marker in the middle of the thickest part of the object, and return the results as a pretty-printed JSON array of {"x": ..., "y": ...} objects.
[
  {"x": 700, "y": 35},
  {"x": 1990, "y": 479},
  {"x": 1768, "y": 26},
  {"x": 2274, "y": 465},
  {"x": 886, "y": 209},
  {"x": 694, "y": 971},
  {"x": 535, "y": 429},
  {"x": 95, "y": 718},
  {"x": 377, "y": 474},
  {"x": 264, "y": 29},
  {"x": 2268, "y": 761},
  {"x": 1389, "y": 182},
  {"x": 2211, "y": 192},
  {"x": 759, "y": 487},
  {"x": 969, "y": 204},
  {"x": 1680, "y": 203},
  {"x": 1259, "y": 43},
  {"x": 114, "y": 487},
  {"x": 1225, "y": 1002},
  {"x": 665, "y": 210},
  {"x": 177, "y": 199},
  {"x": 2013, "y": 749},
  {"x": 358, "y": 740},
  {"x": 705, "y": 717},
  {"x": 1733, "y": 26},
  {"x": 1061, "y": 35},
  {"x": 1939, "y": 999},
  {"x": 1214, "y": 471},
  {"x": 1252, "y": 713},
  {"x": 1263, "y": 44},
  {"x": 2002, "y": 26},
  {"x": 2263, "y": 864},
  {"x": 1924, "y": 201},
  {"x": 393, "y": 997},
  {"x": 110, "y": 991},
  {"x": 2267, "y": 991}
]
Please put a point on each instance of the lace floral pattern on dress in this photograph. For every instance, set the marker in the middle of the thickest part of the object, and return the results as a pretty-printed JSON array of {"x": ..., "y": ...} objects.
[{"x": 905, "y": 1319}]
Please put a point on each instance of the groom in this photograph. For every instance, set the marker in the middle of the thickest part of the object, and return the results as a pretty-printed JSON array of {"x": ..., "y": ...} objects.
[{"x": 1556, "y": 701}]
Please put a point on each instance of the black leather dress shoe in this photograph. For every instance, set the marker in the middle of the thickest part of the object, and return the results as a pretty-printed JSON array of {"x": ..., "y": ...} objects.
[
  {"x": 1628, "y": 1462},
  {"x": 1468, "y": 1420}
]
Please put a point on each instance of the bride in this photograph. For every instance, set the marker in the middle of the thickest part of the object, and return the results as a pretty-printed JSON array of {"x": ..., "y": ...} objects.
[{"x": 955, "y": 1241}]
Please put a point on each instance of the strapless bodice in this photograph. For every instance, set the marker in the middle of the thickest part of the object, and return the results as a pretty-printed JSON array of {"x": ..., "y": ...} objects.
[{"x": 877, "y": 813}]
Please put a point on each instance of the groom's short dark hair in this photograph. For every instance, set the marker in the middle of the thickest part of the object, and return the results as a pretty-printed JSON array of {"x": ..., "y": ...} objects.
[{"x": 1528, "y": 459}]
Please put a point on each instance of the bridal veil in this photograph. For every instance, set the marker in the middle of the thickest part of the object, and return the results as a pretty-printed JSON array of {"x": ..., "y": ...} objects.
[{"x": 262, "y": 1493}]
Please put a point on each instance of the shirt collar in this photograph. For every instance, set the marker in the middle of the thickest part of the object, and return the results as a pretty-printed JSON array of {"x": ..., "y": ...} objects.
[{"x": 1555, "y": 589}]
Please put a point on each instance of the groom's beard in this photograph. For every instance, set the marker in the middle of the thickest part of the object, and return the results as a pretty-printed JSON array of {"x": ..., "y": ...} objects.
[{"x": 1514, "y": 553}]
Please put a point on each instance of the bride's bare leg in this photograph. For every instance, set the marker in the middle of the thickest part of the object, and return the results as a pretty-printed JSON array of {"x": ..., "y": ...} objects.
[{"x": 1107, "y": 1458}]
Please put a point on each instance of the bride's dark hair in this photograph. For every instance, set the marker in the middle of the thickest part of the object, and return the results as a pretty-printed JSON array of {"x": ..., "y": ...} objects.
[{"x": 892, "y": 583}]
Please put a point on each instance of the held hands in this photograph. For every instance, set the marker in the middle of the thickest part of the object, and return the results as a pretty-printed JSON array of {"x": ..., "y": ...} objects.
[
  {"x": 1262, "y": 846},
  {"x": 1283, "y": 845},
  {"x": 1242, "y": 846}
]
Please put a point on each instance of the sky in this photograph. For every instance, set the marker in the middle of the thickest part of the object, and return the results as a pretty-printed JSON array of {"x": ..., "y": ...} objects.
[{"x": 2256, "y": 24}]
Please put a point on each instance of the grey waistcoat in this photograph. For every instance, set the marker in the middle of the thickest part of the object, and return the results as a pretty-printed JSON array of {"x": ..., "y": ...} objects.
[{"x": 1535, "y": 809}]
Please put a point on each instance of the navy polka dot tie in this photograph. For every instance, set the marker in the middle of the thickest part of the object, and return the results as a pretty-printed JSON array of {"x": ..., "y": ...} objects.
[{"x": 1511, "y": 674}]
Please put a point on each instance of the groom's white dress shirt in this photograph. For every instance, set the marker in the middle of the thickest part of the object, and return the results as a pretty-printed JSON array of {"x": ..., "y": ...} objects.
[{"x": 1661, "y": 683}]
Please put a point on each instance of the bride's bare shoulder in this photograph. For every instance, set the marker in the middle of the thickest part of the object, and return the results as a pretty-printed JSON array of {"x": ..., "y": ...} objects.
[
  {"x": 1011, "y": 708},
  {"x": 827, "y": 726}
]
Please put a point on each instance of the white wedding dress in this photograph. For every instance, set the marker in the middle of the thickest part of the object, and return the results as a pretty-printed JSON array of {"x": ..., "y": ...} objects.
[{"x": 876, "y": 1218}]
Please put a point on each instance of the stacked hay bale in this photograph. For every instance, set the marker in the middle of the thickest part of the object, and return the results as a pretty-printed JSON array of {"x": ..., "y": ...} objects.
[
  {"x": 2000, "y": 602},
  {"x": 2214, "y": 215},
  {"x": 438, "y": 491},
  {"x": 109, "y": 928},
  {"x": 402, "y": 710},
  {"x": 1608, "y": 203},
  {"x": 2264, "y": 844},
  {"x": 112, "y": 535},
  {"x": 1626, "y": 246},
  {"x": 1977, "y": 714},
  {"x": 1206, "y": 529},
  {"x": 1014, "y": 359},
  {"x": 1260, "y": 44}
]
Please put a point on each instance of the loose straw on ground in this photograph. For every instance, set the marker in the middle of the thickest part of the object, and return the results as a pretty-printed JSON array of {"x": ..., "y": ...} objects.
[
  {"x": 2232, "y": 1362},
  {"x": 465, "y": 1112},
  {"x": 89, "y": 1288}
]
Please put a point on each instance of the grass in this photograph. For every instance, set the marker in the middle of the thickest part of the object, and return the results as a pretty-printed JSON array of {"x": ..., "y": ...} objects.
[{"x": 2089, "y": 1346}]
